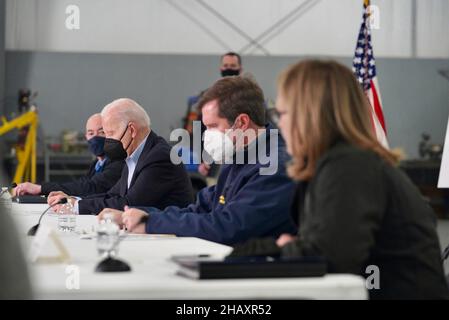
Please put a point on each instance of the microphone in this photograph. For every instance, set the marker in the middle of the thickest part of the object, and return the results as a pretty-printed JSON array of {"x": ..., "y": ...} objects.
[{"x": 33, "y": 229}]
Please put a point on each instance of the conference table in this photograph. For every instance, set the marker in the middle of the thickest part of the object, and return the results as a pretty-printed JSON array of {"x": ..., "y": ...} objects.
[{"x": 153, "y": 274}]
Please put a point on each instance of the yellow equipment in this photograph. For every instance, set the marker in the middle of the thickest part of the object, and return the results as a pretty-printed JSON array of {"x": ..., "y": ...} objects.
[{"x": 26, "y": 156}]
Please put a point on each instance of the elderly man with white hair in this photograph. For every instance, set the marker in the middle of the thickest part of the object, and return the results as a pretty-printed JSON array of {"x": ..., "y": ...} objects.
[{"x": 149, "y": 177}]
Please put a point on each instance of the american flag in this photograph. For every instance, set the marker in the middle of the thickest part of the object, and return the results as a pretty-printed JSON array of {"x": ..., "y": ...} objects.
[{"x": 364, "y": 68}]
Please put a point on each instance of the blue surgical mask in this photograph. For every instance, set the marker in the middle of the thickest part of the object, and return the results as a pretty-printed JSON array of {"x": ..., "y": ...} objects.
[{"x": 96, "y": 145}]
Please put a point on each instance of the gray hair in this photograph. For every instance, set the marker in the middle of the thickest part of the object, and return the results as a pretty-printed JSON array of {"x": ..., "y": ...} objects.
[{"x": 126, "y": 110}]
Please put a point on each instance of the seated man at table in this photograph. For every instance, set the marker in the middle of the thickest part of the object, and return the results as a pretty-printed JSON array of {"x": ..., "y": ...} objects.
[
  {"x": 149, "y": 177},
  {"x": 103, "y": 173},
  {"x": 250, "y": 198}
]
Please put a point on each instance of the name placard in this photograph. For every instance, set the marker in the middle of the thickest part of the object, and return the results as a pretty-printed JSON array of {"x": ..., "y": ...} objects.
[{"x": 44, "y": 238}]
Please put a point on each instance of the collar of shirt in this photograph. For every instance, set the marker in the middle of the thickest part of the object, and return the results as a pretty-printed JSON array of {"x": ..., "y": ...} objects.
[
  {"x": 99, "y": 164},
  {"x": 131, "y": 161}
]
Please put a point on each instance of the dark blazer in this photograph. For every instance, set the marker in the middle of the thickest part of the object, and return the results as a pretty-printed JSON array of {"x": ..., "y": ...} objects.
[
  {"x": 156, "y": 182},
  {"x": 92, "y": 183},
  {"x": 359, "y": 211}
]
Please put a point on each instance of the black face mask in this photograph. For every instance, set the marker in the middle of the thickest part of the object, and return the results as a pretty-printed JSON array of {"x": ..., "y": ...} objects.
[
  {"x": 113, "y": 149},
  {"x": 230, "y": 72}
]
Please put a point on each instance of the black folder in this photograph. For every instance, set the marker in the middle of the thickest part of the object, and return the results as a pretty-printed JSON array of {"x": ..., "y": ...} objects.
[
  {"x": 29, "y": 199},
  {"x": 203, "y": 267}
]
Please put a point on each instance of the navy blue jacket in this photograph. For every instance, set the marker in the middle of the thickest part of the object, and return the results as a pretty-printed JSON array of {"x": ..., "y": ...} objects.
[{"x": 242, "y": 205}]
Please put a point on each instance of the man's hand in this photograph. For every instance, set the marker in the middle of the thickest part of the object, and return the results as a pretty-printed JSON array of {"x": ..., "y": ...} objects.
[
  {"x": 117, "y": 216},
  {"x": 284, "y": 239},
  {"x": 203, "y": 169},
  {"x": 55, "y": 196},
  {"x": 27, "y": 188},
  {"x": 132, "y": 219}
]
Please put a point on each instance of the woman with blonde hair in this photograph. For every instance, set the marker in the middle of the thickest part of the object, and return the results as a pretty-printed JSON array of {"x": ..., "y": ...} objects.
[{"x": 354, "y": 207}]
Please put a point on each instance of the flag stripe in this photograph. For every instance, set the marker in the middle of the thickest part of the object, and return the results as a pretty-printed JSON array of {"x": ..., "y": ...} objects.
[{"x": 378, "y": 107}]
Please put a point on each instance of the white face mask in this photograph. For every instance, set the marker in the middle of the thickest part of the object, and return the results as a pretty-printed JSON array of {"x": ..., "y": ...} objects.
[{"x": 218, "y": 145}]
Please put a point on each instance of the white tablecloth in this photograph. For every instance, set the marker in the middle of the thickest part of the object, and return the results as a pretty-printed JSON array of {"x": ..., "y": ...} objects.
[{"x": 153, "y": 275}]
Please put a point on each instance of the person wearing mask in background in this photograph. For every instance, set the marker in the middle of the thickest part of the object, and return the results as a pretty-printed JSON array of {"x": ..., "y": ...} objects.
[
  {"x": 354, "y": 206},
  {"x": 103, "y": 173},
  {"x": 149, "y": 177},
  {"x": 251, "y": 197},
  {"x": 230, "y": 65}
]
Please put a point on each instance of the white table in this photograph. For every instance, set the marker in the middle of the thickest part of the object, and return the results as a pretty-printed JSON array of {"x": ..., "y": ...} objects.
[{"x": 153, "y": 275}]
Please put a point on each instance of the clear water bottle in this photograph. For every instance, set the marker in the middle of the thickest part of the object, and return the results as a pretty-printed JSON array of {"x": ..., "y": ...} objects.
[
  {"x": 66, "y": 218},
  {"x": 108, "y": 233},
  {"x": 5, "y": 199}
]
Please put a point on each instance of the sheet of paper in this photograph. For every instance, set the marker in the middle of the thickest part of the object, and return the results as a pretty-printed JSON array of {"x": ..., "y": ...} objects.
[{"x": 443, "y": 180}]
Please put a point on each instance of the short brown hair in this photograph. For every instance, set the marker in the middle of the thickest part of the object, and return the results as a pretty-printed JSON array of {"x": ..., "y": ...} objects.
[
  {"x": 236, "y": 95},
  {"x": 233, "y": 54},
  {"x": 325, "y": 103}
]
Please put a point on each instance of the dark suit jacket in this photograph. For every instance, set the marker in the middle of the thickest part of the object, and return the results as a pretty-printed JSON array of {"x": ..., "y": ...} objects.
[
  {"x": 358, "y": 211},
  {"x": 92, "y": 183},
  {"x": 156, "y": 182}
]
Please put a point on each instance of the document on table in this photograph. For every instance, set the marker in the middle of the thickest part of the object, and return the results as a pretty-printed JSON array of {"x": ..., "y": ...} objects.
[
  {"x": 443, "y": 179},
  {"x": 131, "y": 236}
]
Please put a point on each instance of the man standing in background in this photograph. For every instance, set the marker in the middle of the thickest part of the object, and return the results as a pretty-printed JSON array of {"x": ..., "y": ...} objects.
[{"x": 230, "y": 65}]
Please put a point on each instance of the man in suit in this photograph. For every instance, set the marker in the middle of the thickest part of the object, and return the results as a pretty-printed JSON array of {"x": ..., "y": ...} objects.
[
  {"x": 103, "y": 173},
  {"x": 149, "y": 177}
]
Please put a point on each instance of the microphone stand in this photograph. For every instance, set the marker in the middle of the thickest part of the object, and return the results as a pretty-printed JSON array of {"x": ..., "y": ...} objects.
[
  {"x": 33, "y": 229},
  {"x": 111, "y": 264}
]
